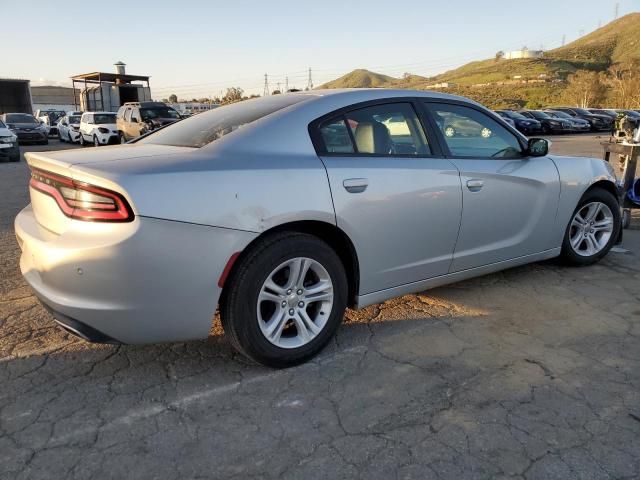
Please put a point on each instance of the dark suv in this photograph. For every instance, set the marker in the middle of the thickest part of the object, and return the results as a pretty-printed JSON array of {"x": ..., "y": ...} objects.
[
  {"x": 597, "y": 122},
  {"x": 137, "y": 118}
]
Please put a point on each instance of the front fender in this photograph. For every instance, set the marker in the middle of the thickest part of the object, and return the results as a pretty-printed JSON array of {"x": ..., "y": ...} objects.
[{"x": 577, "y": 175}]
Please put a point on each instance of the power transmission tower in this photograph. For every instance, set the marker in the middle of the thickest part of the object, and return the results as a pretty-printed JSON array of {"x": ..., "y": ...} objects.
[
  {"x": 616, "y": 11},
  {"x": 310, "y": 81},
  {"x": 265, "y": 92},
  {"x": 286, "y": 84},
  {"x": 564, "y": 39},
  {"x": 279, "y": 87}
]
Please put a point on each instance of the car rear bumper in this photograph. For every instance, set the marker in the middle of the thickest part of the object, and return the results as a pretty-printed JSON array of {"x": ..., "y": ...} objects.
[{"x": 141, "y": 282}]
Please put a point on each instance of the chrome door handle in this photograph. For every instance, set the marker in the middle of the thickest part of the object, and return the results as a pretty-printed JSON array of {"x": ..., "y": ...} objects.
[
  {"x": 355, "y": 185},
  {"x": 475, "y": 185}
]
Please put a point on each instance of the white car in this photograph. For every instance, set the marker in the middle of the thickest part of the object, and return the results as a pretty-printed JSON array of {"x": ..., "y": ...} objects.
[
  {"x": 69, "y": 128},
  {"x": 98, "y": 128}
]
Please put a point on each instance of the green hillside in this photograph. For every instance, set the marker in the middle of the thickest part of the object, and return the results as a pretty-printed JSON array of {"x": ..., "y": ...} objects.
[
  {"x": 360, "y": 78},
  {"x": 618, "y": 41}
]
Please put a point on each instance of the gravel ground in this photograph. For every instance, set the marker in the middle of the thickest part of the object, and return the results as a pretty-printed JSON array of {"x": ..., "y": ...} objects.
[{"x": 529, "y": 373}]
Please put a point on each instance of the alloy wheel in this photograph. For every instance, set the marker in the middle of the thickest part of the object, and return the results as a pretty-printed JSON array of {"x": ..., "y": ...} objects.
[
  {"x": 295, "y": 302},
  {"x": 591, "y": 229}
]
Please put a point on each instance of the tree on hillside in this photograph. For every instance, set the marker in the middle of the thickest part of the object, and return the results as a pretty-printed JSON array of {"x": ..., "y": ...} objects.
[
  {"x": 585, "y": 89},
  {"x": 173, "y": 98},
  {"x": 624, "y": 79},
  {"x": 234, "y": 94},
  {"x": 499, "y": 55}
]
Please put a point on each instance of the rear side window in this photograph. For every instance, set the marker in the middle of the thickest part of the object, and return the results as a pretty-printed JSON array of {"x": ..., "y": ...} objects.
[
  {"x": 382, "y": 130},
  {"x": 207, "y": 127},
  {"x": 335, "y": 136}
]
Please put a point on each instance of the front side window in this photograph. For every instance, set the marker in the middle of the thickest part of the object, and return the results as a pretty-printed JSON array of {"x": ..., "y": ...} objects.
[
  {"x": 470, "y": 133},
  {"x": 158, "y": 112}
]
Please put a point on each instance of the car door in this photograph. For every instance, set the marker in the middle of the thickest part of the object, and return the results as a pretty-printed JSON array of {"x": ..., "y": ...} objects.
[
  {"x": 510, "y": 200},
  {"x": 136, "y": 125},
  {"x": 394, "y": 195}
]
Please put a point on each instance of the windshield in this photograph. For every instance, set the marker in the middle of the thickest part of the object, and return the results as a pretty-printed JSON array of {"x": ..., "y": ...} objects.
[
  {"x": 74, "y": 119},
  {"x": 208, "y": 127},
  {"x": 158, "y": 112},
  {"x": 2, "y": 125},
  {"x": 539, "y": 115},
  {"x": 560, "y": 114},
  {"x": 101, "y": 118},
  {"x": 516, "y": 115},
  {"x": 53, "y": 116},
  {"x": 20, "y": 118},
  {"x": 582, "y": 111}
]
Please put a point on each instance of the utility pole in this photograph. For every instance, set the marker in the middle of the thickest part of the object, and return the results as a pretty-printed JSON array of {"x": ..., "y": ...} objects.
[
  {"x": 265, "y": 92},
  {"x": 564, "y": 39},
  {"x": 616, "y": 11},
  {"x": 310, "y": 81},
  {"x": 286, "y": 84},
  {"x": 279, "y": 87}
]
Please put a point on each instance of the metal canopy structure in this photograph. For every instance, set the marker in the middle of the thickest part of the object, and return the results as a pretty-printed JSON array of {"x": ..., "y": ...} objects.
[{"x": 99, "y": 77}]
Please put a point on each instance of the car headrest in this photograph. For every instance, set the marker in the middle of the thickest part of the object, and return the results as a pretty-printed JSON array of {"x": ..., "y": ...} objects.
[{"x": 372, "y": 137}]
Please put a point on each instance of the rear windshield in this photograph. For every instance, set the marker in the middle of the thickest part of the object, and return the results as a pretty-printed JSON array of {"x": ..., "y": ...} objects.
[
  {"x": 20, "y": 118},
  {"x": 207, "y": 127}
]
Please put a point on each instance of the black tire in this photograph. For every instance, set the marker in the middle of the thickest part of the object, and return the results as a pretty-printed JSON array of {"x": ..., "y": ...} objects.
[
  {"x": 568, "y": 255},
  {"x": 44, "y": 142},
  {"x": 123, "y": 139},
  {"x": 240, "y": 298},
  {"x": 62, "y": 140},
  {"x": 96, "y": 142},
  {"x": 15, "y": 158},
  {"x": 83, "y": 142}
]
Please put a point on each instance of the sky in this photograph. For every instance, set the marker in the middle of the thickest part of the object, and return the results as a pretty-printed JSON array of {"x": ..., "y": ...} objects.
[{"x": 198, "y": 48}]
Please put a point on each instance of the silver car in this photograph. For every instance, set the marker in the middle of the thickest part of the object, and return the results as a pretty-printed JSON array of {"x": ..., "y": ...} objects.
[{"x": 284, "y": 210}]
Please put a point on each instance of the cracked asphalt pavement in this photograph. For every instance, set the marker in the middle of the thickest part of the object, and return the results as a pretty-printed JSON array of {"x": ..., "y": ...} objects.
[{"x": 529, "y": 373}]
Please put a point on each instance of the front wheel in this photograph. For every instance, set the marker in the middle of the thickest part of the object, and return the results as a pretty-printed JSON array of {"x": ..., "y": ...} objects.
[
  {"x": 285, "y": 299},
  {"x": 593, "y": 228},
  {"x": 96, "y": 142},
  {"x": 83, "y": 142}
]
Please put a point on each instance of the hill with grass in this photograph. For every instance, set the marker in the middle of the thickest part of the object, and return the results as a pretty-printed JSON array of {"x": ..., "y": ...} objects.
[{"x": 539, "y": 80}]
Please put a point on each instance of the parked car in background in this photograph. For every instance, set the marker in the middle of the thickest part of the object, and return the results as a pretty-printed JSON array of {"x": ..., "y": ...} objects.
[
  {"x": 69, "y": 128},
  {"x": 251, "y": 208},
  {"x": 549, "y": 124},
  {"x": 597, "y": 122},
  {"x": 577, "y": 124},
  {"x": 632, "y": 115},
  {"x": 9, "y": 148},
  {"x": 453, "y": 125},
  {"x": 139, "y": 118},
  {"x": 525, "y": 125},
  {"x": 50, "y": 117},
  {"x": 26, "y": 127},
  {"x": 98, "y": 128},
  {"x": 610, "y": 112}
]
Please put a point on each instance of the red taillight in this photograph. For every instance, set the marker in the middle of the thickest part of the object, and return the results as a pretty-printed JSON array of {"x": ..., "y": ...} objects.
[{"x": 80, "y": 200}]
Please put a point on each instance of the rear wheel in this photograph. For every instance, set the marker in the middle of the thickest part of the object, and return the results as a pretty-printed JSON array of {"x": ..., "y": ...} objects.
[
  {"x": 285, "y": 299},
  {"x": 593, "y": 228}
]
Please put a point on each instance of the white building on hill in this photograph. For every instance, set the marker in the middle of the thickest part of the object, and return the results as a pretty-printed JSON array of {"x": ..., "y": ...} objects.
[{"x": 524, "y": 53}]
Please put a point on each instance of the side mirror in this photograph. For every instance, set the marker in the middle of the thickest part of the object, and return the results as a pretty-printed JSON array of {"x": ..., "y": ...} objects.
[{"x": 537, "y": 147}]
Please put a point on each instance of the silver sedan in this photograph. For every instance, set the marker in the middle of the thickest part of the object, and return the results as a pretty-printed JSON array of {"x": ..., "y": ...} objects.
[{"x": 284, "y": 210}]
